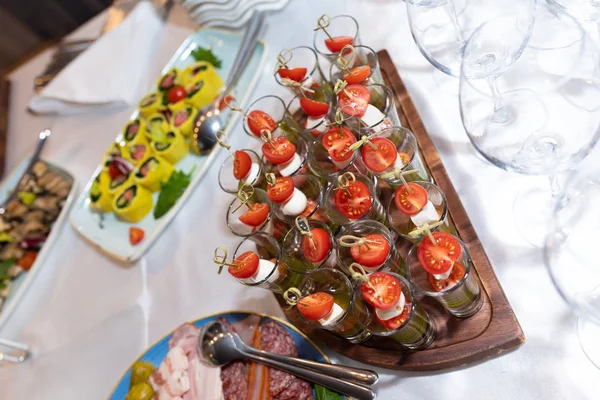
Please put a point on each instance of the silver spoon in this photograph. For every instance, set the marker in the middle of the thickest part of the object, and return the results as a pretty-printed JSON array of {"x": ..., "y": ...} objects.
[
  {"x": 34, "y": 158},
  {"x": 219, "y": 346},
  {"x": 208, "y": 120}
]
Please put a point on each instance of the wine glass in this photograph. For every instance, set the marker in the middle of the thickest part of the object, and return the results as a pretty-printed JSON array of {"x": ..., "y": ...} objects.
[
  {"x": 570, "y": 254},
  {"x": 583, "y": 10},
  {"x": 521, "y": 99},
  {"x": 440, "y": 28}
]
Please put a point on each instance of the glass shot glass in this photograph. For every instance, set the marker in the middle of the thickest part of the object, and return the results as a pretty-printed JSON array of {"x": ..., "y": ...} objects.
[
  {"x": 361, "y": 56},
  {"x": 274, "y": 107},
  {"x": 229, "y": 183},
  {"x": 301, "y": 57},
  {"x": 338, "y": 31},
  {"x": 374, "y": 211},
  {"x": 408, "y": 159},
  {"x": 382, "y": 98},
  {"x": 393, "y": 261},
  {"x": 338, "y": 285},
  {"x": 310, "y": 127},
  {"x": 293, "y": 253},
  {"x": 320, "y": 163},
  {"x": 403, "y": 224},
  {"x": 312, "y": 189},
  {"x": 277, "y": 278},
  {"x": 459, "y": 294},
  {"x": 416, "y": 332},
  {"x": 237, "y": 209},
  {"x": 297, "y": 165}
]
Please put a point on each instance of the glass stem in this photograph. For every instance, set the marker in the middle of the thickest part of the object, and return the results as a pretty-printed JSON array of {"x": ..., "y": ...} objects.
[
  {"x": 451, "y": 11},
  {"x": 493, "y": 84},
  {"x": 555, "y": 186}
]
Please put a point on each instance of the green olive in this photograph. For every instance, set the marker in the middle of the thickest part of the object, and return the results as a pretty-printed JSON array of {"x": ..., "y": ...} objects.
[
  {"x": 141, "y": 391},
  {"x": 140, "y": 372}
]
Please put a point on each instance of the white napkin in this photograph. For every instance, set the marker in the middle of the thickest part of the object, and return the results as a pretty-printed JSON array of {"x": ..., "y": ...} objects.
[{"x": 109, "y": 73}]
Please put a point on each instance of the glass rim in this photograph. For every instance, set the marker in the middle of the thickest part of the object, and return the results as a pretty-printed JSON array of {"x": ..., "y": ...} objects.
[
  {"x": 369, "y": 49},
  {"x": 445, "y": 291},
  {"x": 325, "y": 117},
  {"x": 294, "y": 230},
  {"x": 249, "y": 109},
  {"x": 258, "y": 228},
  {"x": 409, "y": 134},
  {"x": 405, "y": 283},
  {"x": 273, "y": 241},
  {"x": 390, "y": 105},
  {"x": 355, "y": 37},
  {"x": 319, "y": 197},
  {"x": 383, "y": 230},
  {"x": 326, "y": 175},
  {"x": 391, "y": 203},
  {"x": 230, "y": 157},
  {"x": 312, "y": 71},
  {"x": 374, "y": 198}
]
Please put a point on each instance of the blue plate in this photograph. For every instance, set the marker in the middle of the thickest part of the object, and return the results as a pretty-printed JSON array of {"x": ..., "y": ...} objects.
[{"x": 155, "y": 354}]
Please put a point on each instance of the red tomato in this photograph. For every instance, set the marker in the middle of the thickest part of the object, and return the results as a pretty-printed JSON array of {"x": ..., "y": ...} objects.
[
  {"x": 295, "y": 74},
  {"x": 357, "y": 204},
  {"x": 411, "y": 203},
  {"x": 27, "y": 260},
  {"x": 228, "y": 99},
  {"x": 279, "y": 150},
  {"x": 387, "y": 290},
  {"x": 242, "y": 163},
  {"x": 176, "y": 94},
  {"x": 336, "y": 43},
  {"x": 313, "y": 108},
  {"x": 405, "y": 158},
  {"x": 358, "y": 74},
  {"x": 395, "y": 323},
  {"x": 282, "y": 191},
  {"x": 354, "y": 99},
  {"x": 438, "y": 258},
  {"x": 256, "y": 215},
  {"x": 337, "y": 145},
  {"x": 318, "y": 248},
  {"x": 310, "y": 207},
  {"x": 458, "y": 272},
  {"x": 260, "y": 120},
  {"x": 113, "y": 171},
  {"x": 135, "y": 235},
  {"x": 371, "y": 255},
  {"x": 383, "y": 157},
  {"x": 315, "y": 306},
  {"x": 244, "y": 266}
]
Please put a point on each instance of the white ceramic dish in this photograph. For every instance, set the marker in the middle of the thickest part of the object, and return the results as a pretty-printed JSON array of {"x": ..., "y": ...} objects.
[
  {"x": 110, "y": 234},
  {"x": 24, "y": 281}
]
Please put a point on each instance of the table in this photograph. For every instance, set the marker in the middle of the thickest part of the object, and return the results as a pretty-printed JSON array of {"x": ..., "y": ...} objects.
[{"x": 87, "y": 317}]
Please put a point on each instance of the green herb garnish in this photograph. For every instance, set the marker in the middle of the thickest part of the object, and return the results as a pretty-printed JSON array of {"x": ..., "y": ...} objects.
[
  {"x": 171, "y": 191},
  {"x": 324, "y": 393},
  {"x": 201, "y": 54},
  {"x": 6, "y": 264},
  {"x": 26, "y": 197}
]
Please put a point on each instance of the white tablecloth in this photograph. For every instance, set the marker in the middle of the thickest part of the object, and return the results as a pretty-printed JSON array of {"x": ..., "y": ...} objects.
[{"x": 87, "y": 317}]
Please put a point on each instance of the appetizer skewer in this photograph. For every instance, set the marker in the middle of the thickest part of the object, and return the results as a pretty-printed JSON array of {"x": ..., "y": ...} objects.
[{"x": 308, "y": 245}]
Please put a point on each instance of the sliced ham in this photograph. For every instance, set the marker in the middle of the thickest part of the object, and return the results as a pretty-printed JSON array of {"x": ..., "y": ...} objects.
[
  {"x": 175, "y": 361},
  {"x": 205, "y": 382},
  {"x": 186, "y": 338}
]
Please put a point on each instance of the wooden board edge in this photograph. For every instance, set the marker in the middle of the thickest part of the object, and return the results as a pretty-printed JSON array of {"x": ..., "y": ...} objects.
[{"x": 4, "y": 112}]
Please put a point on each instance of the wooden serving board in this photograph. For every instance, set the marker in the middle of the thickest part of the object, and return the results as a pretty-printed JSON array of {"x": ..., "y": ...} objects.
[
  {"x": 4, "y": 104},
  {"x": 491, "y": 332}
]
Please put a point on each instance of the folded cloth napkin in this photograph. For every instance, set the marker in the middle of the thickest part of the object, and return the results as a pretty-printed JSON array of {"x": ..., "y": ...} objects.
[{"x": 109, "y": 73}]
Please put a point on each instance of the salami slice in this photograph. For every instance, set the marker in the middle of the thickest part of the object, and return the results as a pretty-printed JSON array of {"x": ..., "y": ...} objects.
[
  {"x": 298, "y": 390},
  {"x": 275, "y": 339},
  {"x": 233, "y": 375}
]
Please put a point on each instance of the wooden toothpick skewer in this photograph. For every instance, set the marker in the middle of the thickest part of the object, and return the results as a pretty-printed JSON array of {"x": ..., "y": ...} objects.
[
  {"x": 221, "y": 137},
  {"x": 342, "y": 61},
  {"x": 244, "y": 195},
  {"x": 284, "y": 57},
  {"x": 292, "y": 297},
  {"x": 220, "y": 258},
  {"x": 346, "y": 180},
  {"x": 322, "y": 23},
  {"x": 425, "y": 229},
  {"x": 356, "y": 241},
  {"x": 358, "y": 272},
  {"x": 304, "y": 229}
]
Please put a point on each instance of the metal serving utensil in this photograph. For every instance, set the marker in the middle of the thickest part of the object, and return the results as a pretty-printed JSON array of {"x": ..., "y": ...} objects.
[
  {"x": 208, "y": 120},
  {"x": 19, "y": 354},
  {"x": 218, "y": 346}
]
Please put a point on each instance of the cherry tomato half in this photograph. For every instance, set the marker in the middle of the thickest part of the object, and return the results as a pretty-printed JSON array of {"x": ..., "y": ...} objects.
[
  {"x": 411, "y": 202},
  {"x": 355, "y": 205},
  {"x": 259, "y": 120},
  {"x": 295, "y": 74},
  {"x": 313, "y": 108},
  {"x": 319, "y": 215},
  {"x": 336, "y": 43},
  {"x": 396, "y": 322},
  {"x": 282, "y": 190},
  {"x": 176, "y": 94},
  {"x": 358, "y": 74},
  {"x": 135, "y": 235},
  {"x": 26, "y": 262},
  {"x": 373, "y": 253},
  {"x": 354, "y": 99},
  {"x": 279, "y": 150},
  {"x": 387, "y": 290},
  {"x": 244, "y": 266},
  {"x": 242, "y": 163},
  {"x": 256, "y": 215},
  {"x": 380, "y": 158},
  {"x": 438, "y": 258},
  {"x": 315, "y": 306},
  {"x": 315, "y": 249},
  {"x": 458, "y": 272},
  {"x": 337, "y": 144}
]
